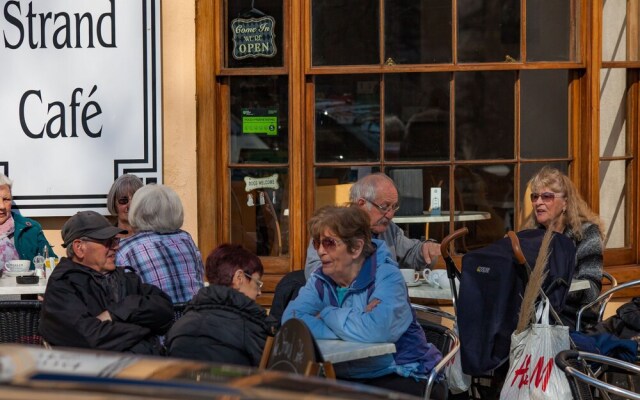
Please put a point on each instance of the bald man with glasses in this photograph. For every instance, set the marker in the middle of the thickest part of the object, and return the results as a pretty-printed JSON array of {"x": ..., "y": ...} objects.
[
  {"x": 378, "y": 196},
  {"x": 91, "y": 303}
]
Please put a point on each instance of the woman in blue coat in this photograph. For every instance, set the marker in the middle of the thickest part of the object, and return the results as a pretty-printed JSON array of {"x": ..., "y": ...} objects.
[
  {"x": 359, "y": 295},
  {"x": 21, "y": 238}
]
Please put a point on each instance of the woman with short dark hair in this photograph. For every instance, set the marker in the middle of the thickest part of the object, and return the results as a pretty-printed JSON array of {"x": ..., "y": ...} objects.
[
  {"x": 223, "y": 322},
  {"x": 119, "y": 200}
]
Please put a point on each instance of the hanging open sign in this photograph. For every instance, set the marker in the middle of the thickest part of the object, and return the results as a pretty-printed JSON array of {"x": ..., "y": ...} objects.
[{"x": 253, "y": 37}]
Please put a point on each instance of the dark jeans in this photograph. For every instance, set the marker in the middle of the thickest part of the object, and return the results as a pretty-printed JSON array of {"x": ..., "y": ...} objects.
[{"x": 410, "y": 386}]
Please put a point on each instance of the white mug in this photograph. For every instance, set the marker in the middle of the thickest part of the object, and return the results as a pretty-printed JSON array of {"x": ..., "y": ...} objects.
[
  {"x": 410, "y": 275},
  {"x": 17, "y": 265},
  {"x": 436, "y": 277}
]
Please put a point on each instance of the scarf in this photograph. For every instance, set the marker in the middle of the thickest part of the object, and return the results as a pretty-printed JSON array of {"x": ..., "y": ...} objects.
[{"x": 8, "y": 250}]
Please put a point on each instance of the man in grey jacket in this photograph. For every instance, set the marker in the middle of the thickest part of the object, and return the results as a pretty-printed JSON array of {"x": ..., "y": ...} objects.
[{"x": 378, "y": 196}]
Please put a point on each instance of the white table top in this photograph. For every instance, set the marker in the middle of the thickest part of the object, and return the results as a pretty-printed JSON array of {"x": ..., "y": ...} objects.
[
  {"x": 445, "y": 216},
  {"x": 427, "y": 291},
  {"x": 8, "y": 286},
  {"x": 337, "y": 351}
]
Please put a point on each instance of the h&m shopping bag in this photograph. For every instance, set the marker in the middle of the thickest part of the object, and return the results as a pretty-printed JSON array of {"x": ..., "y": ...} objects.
[{"x": 533, "y": 373}]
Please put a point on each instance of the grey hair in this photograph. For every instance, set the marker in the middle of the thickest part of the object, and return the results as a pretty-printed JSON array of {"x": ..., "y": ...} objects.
[
  {"x": 125, "y": 185},
  {"x": 156, "y": 208},
  {"x": 4, "y": 180},
  {"x": 367, "y": 187},
  {"x": 70, "y": 252}
]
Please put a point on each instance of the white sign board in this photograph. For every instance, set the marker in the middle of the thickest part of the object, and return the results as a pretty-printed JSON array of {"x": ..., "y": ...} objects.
[{"x": 80, "y": 102}]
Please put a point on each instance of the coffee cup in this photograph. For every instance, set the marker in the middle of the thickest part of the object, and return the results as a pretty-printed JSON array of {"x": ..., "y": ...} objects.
[
  {"x": 409, "y": 275},
  {"x": 436, "y": 277},
  {"x": 15, "y": 266}
]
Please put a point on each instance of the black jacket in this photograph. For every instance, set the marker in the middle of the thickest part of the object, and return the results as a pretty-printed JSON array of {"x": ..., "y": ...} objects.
[
  {"x": 76, "y": 294},
  {"x": 223, "y": 325}
]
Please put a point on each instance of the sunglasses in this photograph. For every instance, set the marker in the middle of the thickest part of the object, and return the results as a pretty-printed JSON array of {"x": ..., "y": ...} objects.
[
  {"x": 328, "y": 243},
  {"x": 108, "y": 243},
  {"x": 123, "y": 201},
  {"x": 384, "y": 209},
  {"x": 257, "y": 281},
  {"x": 546, "y": 197}
]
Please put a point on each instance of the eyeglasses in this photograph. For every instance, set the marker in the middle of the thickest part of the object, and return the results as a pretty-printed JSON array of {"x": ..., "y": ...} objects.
[
  {"x": 328, "y": 243},
  {"x": 546, "y": 197},
  {"x": 110, "y": 243},
  {"x": 257, "y": 281},
  {"x": 384, "y": 209},
  {"x": 123, "y": 201}
]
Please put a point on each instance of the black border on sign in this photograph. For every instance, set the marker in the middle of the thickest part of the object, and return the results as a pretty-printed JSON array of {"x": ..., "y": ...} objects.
[{"x": 92, "y": 201}]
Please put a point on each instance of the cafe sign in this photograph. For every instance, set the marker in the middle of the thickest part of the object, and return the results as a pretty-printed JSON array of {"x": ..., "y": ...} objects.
[
  {"x": 80, "y": 102},
  {"x": 253, "y": 37}
]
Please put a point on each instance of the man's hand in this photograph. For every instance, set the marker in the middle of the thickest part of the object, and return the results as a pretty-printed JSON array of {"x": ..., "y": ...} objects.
[
  {"x": 430, "y": 252},
  {"x": 104, "y": 316},
  {"x": 371, "y": 305}
]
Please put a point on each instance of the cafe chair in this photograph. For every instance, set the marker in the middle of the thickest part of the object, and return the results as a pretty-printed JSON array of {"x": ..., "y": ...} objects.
[
  {"x": 601, "y": 302},
  {"x": 19, "y": 321},
  {"x": 583, "y": 384},
  {"x": 293, "y": 349},
  {"x": 445, "y": 339}
]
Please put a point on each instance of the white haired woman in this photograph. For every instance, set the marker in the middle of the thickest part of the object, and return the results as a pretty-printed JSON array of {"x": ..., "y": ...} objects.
[
  {"x": 21, "y": 238},
  {"x": 119, "y": 200},
  {"x": 160, "y": 252}
]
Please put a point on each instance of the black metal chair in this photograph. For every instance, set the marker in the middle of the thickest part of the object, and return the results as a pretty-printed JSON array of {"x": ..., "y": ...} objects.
[
  {"x": 583, "y": 383},
  {"x": 19, "y": 321}
]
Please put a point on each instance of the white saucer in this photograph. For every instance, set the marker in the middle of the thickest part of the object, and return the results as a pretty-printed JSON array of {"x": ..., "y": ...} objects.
[
  {"x": 27, "y": 273},
  {"x": 412, "y": 284}
]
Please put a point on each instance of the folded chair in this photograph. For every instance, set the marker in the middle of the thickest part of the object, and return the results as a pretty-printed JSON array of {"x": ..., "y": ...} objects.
[
  {"x": 293, "y": 349},
  {"x": 583, "y": 384}
]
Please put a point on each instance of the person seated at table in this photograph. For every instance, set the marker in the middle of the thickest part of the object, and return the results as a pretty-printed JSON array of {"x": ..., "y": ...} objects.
[
  {"x": 377, "y": 195},
  {"x": 557, "y": 204},
  {"x": 160, "y": 252},
  {"x": 223, "y": 323},
  {"x": 119, "y": 200},
  {"x": 91, "y": 303},
  {"x": 21, "y": 238},
  {"x": 359, "y": 295}
]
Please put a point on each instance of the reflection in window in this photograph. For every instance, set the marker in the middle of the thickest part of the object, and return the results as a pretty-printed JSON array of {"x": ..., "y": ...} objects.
[
  {"x": 259, "y": 119},
  {"x": 549, "y": 30},
  {"x": 260, "y": 210},
  {"x": 614, "y": 202},
  {"x": 418, "y": 32},
  {"x": 488, "y": 31},
  {"x": 345, "y": 32},
  {"x": 484, "y": 115},
  {"x": 416, "y": 117},
  {"x": 620, "y": 31},
  {"x": 544, "y": 107},
  {"x": 347, "y": 118}
]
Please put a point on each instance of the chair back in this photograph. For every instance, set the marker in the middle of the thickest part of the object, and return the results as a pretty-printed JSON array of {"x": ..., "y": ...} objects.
[
  {"x": 19, "y": 321},
  {"x": 293, "y": 350}
]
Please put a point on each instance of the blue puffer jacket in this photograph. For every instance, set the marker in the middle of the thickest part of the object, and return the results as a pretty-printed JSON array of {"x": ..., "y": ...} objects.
[
  {"x": 29, "y": 238},
  {"x": 393, "y": 320}
]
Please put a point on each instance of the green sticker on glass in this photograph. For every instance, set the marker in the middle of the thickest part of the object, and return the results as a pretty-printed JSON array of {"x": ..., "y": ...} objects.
[{"x": 260, "y": 121}]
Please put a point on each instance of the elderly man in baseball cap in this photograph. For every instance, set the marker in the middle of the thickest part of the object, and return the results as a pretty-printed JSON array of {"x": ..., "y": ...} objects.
[{"x": 91, "y": 303}]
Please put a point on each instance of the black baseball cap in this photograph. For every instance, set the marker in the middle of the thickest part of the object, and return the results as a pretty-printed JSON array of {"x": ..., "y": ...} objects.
[{"x": 88, "y": 224}]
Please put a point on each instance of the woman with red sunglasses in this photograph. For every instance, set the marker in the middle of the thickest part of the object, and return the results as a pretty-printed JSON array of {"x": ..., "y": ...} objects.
[
  {"x": 119, "y": 200},
  {"x": 557, "y": 204},
  {"x": 359, "y": 294}
]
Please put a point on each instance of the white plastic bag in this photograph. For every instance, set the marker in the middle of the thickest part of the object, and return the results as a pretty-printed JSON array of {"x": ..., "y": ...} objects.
[
  {"x": 457, "y": 380},
  {"x": 533, "y": 373}
]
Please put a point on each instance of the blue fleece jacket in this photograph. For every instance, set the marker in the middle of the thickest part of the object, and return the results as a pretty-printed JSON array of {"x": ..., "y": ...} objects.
[{"x": 392, "y": 320}]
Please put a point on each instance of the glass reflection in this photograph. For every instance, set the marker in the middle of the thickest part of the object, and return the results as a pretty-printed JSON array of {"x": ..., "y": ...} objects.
[
  {"x": 484, "y": 115},
  {"x": 488, "y": 31},
  {"x": 259, "y": 119},
  {"x": 347, "y": 118},
  {"x": 260, "y": 210},
  {"x": 549, "y": 30}
]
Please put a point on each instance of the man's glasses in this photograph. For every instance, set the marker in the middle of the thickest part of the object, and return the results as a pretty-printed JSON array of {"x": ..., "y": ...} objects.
[
  {"x": 328, "y": 243},
  {"x": 123, "y": 201},
  {"x": 384, "y": 209},
  {"x": 257, "y": 281},
  {"x": 108, "y": 243},
  {"x": 546, "y": 197}
]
